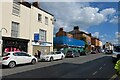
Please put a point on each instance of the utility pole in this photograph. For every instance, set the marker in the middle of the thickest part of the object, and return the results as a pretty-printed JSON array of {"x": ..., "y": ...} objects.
[{"x": 1, "y": 40}]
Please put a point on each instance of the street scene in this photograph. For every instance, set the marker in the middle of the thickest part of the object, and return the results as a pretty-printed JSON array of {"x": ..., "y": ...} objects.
[
  {"x": 59, "y": 40},
  {"x": 90, "y": 66}
]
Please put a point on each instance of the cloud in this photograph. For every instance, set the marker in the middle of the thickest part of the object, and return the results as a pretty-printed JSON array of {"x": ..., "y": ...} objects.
[
  {"x": 117, "y": 34},
  {"x": 108, "y": 12},
  {"x": 96, "y": 34},
  {"x": 69, "y": 14},
  {"x": 114, "y": 20}
]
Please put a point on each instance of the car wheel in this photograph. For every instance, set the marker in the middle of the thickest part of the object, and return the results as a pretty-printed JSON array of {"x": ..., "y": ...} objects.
[
  {"x": 51, "y": 59},
  {"x": 33, "y": 61},
  {"x": 12, "y": 64},
  {"x": 73, "y": 56},
  {"x": 61, "y": 57}
]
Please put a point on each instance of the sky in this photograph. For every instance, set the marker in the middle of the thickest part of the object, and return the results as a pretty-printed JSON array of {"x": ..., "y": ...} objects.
[{"x": 98, "y": 18}]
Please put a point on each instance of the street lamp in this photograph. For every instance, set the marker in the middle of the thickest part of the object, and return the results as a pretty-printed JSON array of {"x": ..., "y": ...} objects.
[{"x": 1, "y": 39}]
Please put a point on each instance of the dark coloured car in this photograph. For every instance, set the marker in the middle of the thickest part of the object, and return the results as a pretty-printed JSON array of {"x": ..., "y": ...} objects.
[
  {"x": 116, "y": 53},
  {"x": 82, "y": 52},
  {"x": 72, "y": 53}
]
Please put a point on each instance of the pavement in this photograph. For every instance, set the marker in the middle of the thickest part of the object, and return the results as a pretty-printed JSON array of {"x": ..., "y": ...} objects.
[{"x": 98, "y": 66}]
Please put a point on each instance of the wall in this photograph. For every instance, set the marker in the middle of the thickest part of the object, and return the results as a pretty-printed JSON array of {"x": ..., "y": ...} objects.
[{"x": 36, "y": 25}]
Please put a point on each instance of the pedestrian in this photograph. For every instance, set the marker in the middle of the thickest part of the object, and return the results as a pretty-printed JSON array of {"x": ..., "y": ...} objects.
[
  {"x": 36, "y": 55},
  {"x": 117, "y": 68},
  {"x": 39, "y": 53}
]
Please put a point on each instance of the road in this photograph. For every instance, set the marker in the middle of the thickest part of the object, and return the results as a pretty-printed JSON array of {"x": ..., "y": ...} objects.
[{"x": 90, "y": 66}]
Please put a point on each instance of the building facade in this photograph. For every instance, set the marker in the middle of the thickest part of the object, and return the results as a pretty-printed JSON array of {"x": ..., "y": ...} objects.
[
  {"x": 29, "y": 28},
  {"x": 80, "y": 35}
]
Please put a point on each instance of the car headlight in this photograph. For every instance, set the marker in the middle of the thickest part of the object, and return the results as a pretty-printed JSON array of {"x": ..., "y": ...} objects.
[{"x": 114, "y": 56}]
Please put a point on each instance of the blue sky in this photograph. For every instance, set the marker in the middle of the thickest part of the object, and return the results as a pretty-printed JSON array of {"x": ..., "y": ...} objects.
[{"x": 98, "y": 18}]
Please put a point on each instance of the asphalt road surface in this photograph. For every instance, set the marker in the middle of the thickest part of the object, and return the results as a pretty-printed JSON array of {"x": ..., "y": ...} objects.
[{"x": 90, "y": 66}]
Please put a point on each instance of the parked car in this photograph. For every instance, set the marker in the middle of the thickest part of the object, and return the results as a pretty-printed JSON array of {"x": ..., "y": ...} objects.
[
  {"x": 55, "y": 55},
  {"x": 81, "y": 52},
  {"x": 12, "y": 59},
  {"x": 72, "y": 53},
  {"x": 116, "y": 53}
]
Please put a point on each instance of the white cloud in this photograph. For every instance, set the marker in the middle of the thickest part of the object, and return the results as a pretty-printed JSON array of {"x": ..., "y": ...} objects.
[
  {"x": 108, "y": 11},
  {"x": 69, "y": 14},
  {"x": 114, "y": 20},
  {"x": 117, "y": 34},
  {"x": 96, "y": 34}
]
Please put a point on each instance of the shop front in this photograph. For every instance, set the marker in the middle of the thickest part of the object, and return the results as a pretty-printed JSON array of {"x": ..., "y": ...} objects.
[
  {"x": 14, "y": 44},
  {"x": 43, "y": 47}
]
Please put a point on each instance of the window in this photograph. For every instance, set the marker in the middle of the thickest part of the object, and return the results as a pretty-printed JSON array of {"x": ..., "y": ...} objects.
[
  {"x": 42, "y": 34},
  {"x": 39, "y": 17},
  {"x": 14, "y": 29},
  {"x": 16, "y": 8},
  {"x": 17, "y": 54},
  {"x": 46, "y": 20},
  {"x": 58, "y": 52},
  {"x": 5, "y": 54}
]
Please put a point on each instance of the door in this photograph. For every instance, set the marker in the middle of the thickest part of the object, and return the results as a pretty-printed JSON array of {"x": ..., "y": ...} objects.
[
  {"x": 27, "y": 57},
  {"x": 18, "y": 57},
  {"x": 59, "y": 55}
]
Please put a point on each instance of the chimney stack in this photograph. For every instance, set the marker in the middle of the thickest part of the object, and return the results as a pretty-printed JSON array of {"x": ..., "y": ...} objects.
[
  {"x": 61, "y": 29},
  {"x": 36, "y": 4},
  {"x": 76, "y": 28}
]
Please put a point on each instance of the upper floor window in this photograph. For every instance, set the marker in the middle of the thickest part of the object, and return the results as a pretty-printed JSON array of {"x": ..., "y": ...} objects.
[
  {"x": 14, "y": 29},
  {"x": 42, "y": 34},
  {"x": 46, "y": 20},
  {"x": 39, "y": 17},
  {"x": 16, "y": 8}
]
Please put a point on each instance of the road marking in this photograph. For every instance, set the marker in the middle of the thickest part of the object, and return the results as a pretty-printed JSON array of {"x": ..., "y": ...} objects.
[
  {"x": 113, "y": 77},
  {"x": 100, "y": 68},
  {"x": 94, "y": 73}
]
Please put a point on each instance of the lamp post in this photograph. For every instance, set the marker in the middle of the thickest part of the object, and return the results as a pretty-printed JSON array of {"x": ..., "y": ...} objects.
[{"x": 1, "y": 40}]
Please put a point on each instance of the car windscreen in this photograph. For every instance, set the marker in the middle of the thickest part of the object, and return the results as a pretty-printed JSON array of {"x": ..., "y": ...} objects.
[{"x": 117, "y": 48}]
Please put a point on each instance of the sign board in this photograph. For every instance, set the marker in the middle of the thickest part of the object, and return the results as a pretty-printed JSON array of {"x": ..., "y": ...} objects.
[
  {"x": 45, "y": 44},
  {"x": 36, "y": 37},
  {"x": 35, "y": 43}
]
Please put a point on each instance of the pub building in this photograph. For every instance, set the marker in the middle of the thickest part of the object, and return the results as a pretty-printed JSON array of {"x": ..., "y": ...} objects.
[{"x": 14, "y": 44}]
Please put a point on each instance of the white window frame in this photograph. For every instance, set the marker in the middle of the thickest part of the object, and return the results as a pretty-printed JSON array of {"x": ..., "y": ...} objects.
[
  {"x": 46, "y": 20},
  {"x": 42, "y": 35},
  {"x": 39, "y": 17},
  {"x": 16, "y": 8},
  {"x": 15, "y": 29}
]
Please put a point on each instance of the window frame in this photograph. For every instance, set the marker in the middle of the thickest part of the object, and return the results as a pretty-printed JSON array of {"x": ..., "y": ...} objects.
[
  {"x": 15, "y": 29},
  {"x": 46, "y": 20},
  {"x": 39, "y": 17}
]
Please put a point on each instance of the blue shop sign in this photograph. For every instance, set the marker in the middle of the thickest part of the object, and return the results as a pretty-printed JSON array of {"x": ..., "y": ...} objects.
[{"x": 36, "y": 37}]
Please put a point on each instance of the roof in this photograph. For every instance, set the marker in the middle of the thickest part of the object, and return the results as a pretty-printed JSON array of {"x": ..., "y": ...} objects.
[
  {"x": 79, "y": 32},
  {"x": 27, "y": 4}
]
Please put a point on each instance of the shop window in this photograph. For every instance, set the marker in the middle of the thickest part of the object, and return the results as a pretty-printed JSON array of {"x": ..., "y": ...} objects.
[{"x": 14, "y": 29}]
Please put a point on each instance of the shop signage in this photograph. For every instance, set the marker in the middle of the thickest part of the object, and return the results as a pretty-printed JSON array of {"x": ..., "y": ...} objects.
[
  {"x": 36, "y": 37},
  {"x": 42, "y": 44},
  {"x": 45, "y": 44}
]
